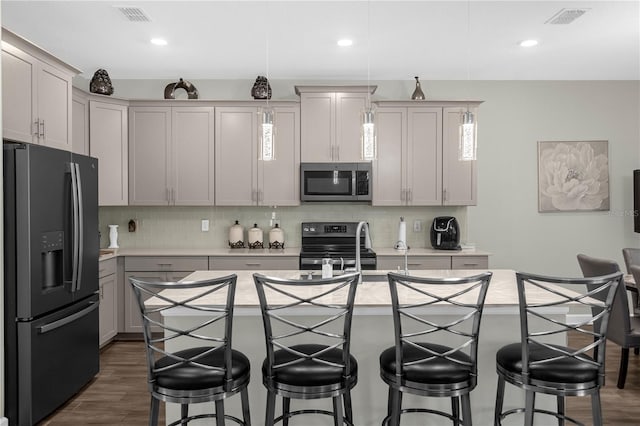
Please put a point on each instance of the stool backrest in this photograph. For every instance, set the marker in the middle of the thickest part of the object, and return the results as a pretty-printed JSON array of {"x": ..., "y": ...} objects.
[
  {"x": 306, "y": 311},
  {"x": 634, "y": 270},
  {"x": 209, "y": 305},
  {"x": 541, "y": 301},
  {"x": 631, "y": 257},
  {"x": 619, "y": 321},
  {"x": 445, "y": 311}
]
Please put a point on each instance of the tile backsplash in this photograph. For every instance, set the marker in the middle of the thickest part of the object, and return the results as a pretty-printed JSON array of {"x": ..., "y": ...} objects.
[{"x": 180, "y": 227}]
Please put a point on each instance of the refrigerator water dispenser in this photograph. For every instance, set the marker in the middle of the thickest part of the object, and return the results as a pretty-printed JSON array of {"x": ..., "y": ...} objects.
[{"x": 52, "y": 259}]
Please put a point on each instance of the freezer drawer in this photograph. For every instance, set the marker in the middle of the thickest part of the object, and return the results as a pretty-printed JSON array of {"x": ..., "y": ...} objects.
[{"x": 57, "y": 355}]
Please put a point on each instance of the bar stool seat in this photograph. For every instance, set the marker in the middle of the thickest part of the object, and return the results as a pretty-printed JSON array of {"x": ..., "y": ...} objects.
[
  {"x": 309, "y": 372},
  {"x": 438, "y": 370}
]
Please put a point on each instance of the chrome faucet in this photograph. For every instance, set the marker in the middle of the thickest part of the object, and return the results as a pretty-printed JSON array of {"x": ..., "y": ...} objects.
[{"x": 367, "y": 242}]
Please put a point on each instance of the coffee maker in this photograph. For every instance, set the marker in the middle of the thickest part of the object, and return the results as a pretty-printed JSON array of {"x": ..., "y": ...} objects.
[{"x": 445, "y": 233}]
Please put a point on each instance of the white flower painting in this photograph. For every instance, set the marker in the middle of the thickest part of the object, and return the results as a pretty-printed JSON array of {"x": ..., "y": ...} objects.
[{"x": 573, "y": 176}]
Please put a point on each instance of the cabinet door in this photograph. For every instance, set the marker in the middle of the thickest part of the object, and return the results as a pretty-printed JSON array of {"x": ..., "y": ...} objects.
[
  {"x": 54, "y": 107},
  {"x": 18, "y": 94},
  {"x": 80, "y": 122},
  {"x": 424, "y": 156},
  {"x": 149, "y": 148},
  {"x": 389, "y": 182},
  {"x": 458, "y": 177},
  {"x": 236, "y": 156},
  {"x": 279, "y": 179},
  {"x": 109, "y": 144},
  {"x": 192, "y": 155},
  {"x": 132, "y": 317},
  {"x": 108, "y": 308},
  {"x": 349, "y": 109},
  {"x": 317, "y": 126}
]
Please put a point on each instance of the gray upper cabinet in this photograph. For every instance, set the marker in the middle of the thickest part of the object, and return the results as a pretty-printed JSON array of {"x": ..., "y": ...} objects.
[
  {"x": 36, "y": 94},
  {"x": 330, "y": 122},
  {"x": 171, "y": 155},
  {"x": 417, "y": 161},
  {"x": 80, "y": 121},
  {"x": 408, "y": 168},
  {"x": 108, "y": 130},
  {"x": 242, "y": 179},
  {"x": 459, "y": 178}
]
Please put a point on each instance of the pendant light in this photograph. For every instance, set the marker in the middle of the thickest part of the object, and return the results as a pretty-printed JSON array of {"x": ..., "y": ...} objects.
[
  {"x": 467, "y": 145},
  {"x": 368, "y": 131},
  {"x": 266, "y": 125}
]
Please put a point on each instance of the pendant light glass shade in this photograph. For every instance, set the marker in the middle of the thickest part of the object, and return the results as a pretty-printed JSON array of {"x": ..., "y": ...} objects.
[
  {"x": 467, "y": 145},
  {"x": 369, "y": 147},
  {"x": 266, "y": 135}
]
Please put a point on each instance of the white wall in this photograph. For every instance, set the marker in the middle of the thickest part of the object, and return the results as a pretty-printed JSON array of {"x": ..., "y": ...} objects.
[{"x": 515, "y": 115}]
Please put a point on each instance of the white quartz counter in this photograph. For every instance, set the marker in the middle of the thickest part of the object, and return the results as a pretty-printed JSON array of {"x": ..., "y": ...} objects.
[{"x": 502, "y": 288}]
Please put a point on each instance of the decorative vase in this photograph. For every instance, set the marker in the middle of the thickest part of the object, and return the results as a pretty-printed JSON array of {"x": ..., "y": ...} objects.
[
  {"x": 261, "y": 88},
  {"x": 418, "y": 94},
  {"x": 113, "y": 236},
  {"x": 101, "y": 83}
]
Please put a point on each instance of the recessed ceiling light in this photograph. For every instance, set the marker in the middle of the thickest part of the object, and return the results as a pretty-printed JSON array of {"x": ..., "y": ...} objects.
[
  {"x": 528, "y": 43},
  {"x": 159, "y": 41},
  {"x": 345, "y": 42}
]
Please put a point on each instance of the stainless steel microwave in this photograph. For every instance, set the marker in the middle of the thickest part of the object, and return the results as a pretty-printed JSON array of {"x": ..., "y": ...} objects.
[{"x": 335, "y": 181}]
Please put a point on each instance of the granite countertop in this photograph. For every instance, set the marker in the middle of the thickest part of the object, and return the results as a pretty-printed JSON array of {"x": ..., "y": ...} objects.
[
  {"x": 289, "y": 251},
  {"x": 502, "y": 290}
]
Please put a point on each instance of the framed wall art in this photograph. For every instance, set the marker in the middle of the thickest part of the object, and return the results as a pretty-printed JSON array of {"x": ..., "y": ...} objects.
[{"x": 573, "y": 176}]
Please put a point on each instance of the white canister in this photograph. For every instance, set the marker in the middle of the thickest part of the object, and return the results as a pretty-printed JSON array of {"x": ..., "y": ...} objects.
[
  {"x": 113, "y": 236},
  {"x": 236, "y": 236},
  {"x": 255, "y": 237},
  {"x": 276, "y": 237}
]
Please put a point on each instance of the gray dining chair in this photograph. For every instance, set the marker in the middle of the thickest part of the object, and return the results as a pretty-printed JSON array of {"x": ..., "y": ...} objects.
[
  {"x": 624, "y": 328},
  {"x": 632, "y": 257}
]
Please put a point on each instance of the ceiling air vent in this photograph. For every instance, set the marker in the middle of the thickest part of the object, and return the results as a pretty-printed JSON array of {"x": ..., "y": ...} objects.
[
  {"x": 566, "y": 16},
  {"x": 134, "y": 14}
]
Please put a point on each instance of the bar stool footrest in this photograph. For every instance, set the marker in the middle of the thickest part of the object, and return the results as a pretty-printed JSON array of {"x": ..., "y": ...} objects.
[
  {"x": 540, "y": 411},
  {"x": 386, "y": 420},
  {"x": 297, "y": 412}
]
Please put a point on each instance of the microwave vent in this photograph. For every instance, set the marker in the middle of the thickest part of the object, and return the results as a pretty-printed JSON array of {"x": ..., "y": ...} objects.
[
  {"x": 134, "y": 14},
  {"x": 566, "y": 16}
]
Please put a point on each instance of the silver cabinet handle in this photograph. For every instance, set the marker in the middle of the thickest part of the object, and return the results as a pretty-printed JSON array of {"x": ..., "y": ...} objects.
[
  {"x": 168, "y": 195},
  {"x": 42, "y": 128},
  {"x": 444, "y": 194},
  {"x": 35, "y": 128}
]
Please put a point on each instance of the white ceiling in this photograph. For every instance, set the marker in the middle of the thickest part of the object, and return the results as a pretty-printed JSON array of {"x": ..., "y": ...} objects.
[{"x": 297, "y": 39}]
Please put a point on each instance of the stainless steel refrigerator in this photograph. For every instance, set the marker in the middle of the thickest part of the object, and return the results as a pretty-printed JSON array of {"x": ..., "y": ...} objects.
[{"x": 51, "y": 245}]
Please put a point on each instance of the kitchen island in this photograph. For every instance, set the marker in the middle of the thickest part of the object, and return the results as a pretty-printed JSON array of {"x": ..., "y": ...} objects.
[{"x": 372, "y": 333}]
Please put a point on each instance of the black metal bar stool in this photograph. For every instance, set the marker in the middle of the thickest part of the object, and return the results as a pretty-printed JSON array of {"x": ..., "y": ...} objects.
[
  {"x": 538, "y": 365},
  {"x": 208, "y": 370},
  {"x": 307, "y": 326},
  {"x": 434, "y": 359}
]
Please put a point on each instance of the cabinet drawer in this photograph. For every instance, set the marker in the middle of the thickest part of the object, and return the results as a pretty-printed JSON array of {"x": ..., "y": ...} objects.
[
  {"x": 256, "y": 263},
  {"x": 166, "y": 263},
  {"x": 106, "y": 267},
  {"x": 470, "y": 262},
  {"x": 415, "y": 262}
]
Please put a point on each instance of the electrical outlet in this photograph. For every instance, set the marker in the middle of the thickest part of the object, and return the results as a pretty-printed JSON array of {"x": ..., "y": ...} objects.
[
  {"x": 417, "y": 226},
  {"x": 205, "y": 225}
]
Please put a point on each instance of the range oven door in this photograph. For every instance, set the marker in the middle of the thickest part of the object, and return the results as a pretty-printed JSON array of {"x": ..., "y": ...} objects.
[{"x": 57, "y": 355}]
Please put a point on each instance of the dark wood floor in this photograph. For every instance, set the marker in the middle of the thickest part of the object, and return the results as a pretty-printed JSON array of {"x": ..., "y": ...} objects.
[{"x": 119, "y": 396}]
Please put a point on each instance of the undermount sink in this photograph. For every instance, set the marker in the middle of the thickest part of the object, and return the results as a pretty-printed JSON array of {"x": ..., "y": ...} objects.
[{"x": 365, "y": 278}]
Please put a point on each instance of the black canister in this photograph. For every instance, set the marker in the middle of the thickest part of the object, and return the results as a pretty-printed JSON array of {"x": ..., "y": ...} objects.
[{"x": 445, "y": 233}]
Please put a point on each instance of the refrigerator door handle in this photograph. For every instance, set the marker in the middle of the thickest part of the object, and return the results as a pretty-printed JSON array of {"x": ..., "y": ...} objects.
[
  {"x": 80, "y": 228},
  {"x": 76, "y": 233},
  {"x": 67, "y": 320}
]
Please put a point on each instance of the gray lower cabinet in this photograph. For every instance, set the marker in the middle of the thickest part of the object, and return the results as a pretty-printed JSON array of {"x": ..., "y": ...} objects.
[
  {"x": 257, "y": 263},
  {"x": 395, "y": 262},
  {"x": 154, "y": 268},
  {"x": 108, "y": 284}
]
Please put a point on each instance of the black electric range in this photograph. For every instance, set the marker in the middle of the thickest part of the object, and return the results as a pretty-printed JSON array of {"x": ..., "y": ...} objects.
[{"x": 334, "y": 240}]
